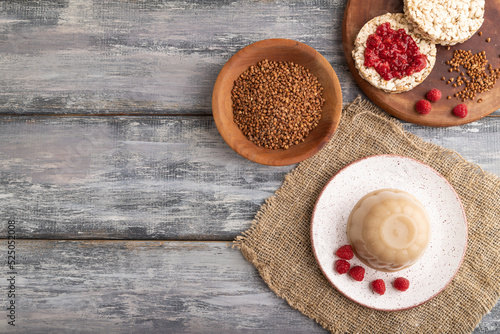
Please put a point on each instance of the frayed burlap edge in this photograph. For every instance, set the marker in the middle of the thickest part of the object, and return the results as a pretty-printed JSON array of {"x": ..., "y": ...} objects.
[{"x": 362, "y": 119}]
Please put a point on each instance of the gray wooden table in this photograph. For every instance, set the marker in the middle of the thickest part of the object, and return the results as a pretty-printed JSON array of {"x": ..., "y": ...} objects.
[{"x": 121, "y": 193}]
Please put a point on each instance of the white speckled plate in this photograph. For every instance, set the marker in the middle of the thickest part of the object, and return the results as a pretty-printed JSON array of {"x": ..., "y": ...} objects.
[{"x": 442, "y": 259}]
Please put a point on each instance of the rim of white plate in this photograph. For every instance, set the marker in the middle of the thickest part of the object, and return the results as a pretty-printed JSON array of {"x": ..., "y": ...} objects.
[{"x": 448, "y": 243}]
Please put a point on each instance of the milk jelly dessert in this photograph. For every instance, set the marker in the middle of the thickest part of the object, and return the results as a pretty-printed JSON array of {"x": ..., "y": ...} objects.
[{"x": 388, "y": 229}]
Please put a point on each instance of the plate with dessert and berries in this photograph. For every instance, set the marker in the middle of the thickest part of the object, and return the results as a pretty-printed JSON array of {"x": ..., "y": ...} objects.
[
  {"x": 389, "y": 232},
  {"x": 430, "y": 63}
]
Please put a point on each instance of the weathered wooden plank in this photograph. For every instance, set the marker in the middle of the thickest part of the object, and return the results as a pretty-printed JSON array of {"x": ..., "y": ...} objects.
[
  {"x": 490, "y": 324},
  {"x": 84, "y": 56},
  {"x": 154, "y": 177},
  {"x": 147, "y": 287},
  {"x": 160, "y": 57},
  {"x": 153, "y": 287},
  {"x": 139, "y": 178}
]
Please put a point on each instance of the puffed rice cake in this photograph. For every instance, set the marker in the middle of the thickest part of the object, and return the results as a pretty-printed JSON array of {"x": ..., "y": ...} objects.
[
  {"x": 445, "y": 22},
  {"x": 394, "y": 85}
]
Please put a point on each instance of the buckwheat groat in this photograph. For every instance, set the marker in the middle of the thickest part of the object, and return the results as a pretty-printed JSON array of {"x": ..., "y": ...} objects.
[
  {"x": 393, "y": 85},
  {"x": 445, "y": 22}
]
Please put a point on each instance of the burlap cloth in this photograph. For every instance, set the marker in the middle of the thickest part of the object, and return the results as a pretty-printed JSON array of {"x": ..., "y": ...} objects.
[{"x": 278, "y": 243}]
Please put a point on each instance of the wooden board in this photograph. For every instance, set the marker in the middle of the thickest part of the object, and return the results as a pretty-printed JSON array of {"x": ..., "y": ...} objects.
[
  {"x": 154, "y": 177},
  {"x": 358, "y": 12},
  {"x": 150, "y": 287}
]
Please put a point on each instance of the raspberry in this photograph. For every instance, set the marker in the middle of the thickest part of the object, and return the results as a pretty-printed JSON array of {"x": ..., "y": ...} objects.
[
  {"x": 342, "y": 266},
  {"x": 345, "y": 252},
  {"x": 358, "y": 273},
  {"x": 433, "y": 95},
  {"x": 423, "y": 107},
  {"x": 401, "y": 284},
  {"x": 378, "y": 286},
  {"x": 460, "y": 110}
]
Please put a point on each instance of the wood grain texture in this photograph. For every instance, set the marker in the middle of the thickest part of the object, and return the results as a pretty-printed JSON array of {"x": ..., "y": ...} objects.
[
  {"x": 402, "y": 105},
  {"x": 160, "y": 57},
  {"x": 150, "y": 287},
  {"x": 146, "y": 287},
  {"x": 139, "y": 178},
  {"x": 101, "y": 57},
  {"x": 154, "y": 177}
]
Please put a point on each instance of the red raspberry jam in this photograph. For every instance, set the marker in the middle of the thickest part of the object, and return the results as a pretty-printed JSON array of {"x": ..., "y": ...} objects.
[{"x": 393, "y": 53}]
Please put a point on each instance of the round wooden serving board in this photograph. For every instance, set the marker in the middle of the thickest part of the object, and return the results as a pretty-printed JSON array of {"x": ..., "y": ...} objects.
[{"x": 402, "y": 106}]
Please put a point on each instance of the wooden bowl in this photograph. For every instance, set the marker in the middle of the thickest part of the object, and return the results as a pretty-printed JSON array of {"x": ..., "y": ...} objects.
[{"x": 277, "y": 50}]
